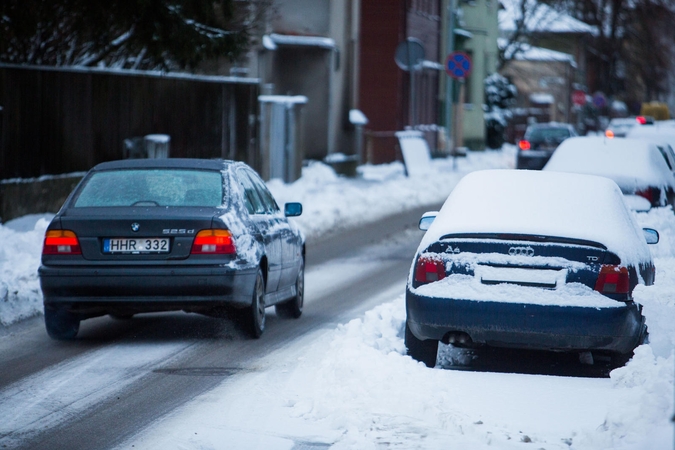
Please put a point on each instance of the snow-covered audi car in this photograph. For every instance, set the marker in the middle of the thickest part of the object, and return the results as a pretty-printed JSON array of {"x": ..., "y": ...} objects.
[
  {"x": 202, "y": 236},
  {"x": 531, "y": 260}
]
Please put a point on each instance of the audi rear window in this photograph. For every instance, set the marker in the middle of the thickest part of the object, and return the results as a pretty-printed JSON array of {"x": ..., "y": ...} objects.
[{"x": 152, "y": 187}]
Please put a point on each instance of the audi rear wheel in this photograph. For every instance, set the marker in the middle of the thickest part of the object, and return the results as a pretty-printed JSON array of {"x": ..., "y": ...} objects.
[{"x": 423, "y": 351}]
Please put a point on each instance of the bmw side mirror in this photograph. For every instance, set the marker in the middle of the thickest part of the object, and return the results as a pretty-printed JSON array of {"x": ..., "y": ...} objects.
[
  {"x": 427, "y": 219},
  {"x": 292, "y": 209},
  {"x": 651, "y": 235}
]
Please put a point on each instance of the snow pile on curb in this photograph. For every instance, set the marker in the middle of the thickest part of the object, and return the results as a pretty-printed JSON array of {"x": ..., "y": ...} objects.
[
  {"x": 20, "y": 295},
  {"x": 332, "y": 203}
]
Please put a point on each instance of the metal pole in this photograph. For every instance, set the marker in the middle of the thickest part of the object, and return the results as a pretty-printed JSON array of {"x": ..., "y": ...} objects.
[
  {"x": 449, "y": 84},
  {"x": 412, "y": 85}
]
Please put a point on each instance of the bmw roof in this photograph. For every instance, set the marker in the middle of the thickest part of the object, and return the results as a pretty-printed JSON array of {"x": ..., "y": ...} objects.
[{"x": 168, "y": 163}]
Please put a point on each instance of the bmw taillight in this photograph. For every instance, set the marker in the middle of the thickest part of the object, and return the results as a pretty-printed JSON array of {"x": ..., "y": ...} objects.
[
  {"x": 61, "y": 242},
  {"x": 613, "y": 280},
  {"x": 429, "y": 270},
  {"x": 213, "y": 242},
  {"x": 642, "y": 120},
  {"x": 609, "y": 133},
  {"x": 524, "y": 145}
]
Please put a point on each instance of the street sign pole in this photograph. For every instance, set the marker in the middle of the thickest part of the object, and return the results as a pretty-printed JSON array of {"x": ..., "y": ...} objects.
[
  {"x": 409, "y": 56},
  {"x": 458, "y": 66},
  {"x": 459, "y": 132}
]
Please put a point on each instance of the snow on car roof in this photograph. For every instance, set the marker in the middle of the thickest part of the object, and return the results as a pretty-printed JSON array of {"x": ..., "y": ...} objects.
[
  {"x": 658, "y": 134},
  {"x": 634, "y": 164},
  {"x": 545, "y": 204}
]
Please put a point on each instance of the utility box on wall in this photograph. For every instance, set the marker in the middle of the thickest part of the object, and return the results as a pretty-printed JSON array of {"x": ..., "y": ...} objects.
[{"x": 281, "y": 140}]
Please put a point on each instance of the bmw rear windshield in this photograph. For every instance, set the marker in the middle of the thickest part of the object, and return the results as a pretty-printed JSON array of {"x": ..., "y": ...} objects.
[
  {"x": 543, "y": 133},
  {"x": 152, "y": 187}
]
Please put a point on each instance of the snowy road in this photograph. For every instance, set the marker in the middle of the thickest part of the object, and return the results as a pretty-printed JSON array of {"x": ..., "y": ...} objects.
[
  {"x": 119, "y": 376},
  {"x": 338, "y": 378}
]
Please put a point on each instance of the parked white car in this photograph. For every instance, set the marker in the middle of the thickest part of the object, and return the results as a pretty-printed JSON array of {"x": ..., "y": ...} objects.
[{"x": 636, "y": 165}]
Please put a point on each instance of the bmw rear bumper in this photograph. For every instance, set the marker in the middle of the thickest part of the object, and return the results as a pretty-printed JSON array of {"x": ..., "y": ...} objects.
[
  {"x": 526, "y": 326},
  {"x": 145, "y": 289}
]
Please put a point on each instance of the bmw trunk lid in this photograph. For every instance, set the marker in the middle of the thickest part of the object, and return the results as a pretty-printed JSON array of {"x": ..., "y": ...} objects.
[{"x": 139, "y": 234}]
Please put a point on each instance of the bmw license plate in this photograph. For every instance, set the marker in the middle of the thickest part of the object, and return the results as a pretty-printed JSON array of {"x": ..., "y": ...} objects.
[{"x": 138, "y": 245}]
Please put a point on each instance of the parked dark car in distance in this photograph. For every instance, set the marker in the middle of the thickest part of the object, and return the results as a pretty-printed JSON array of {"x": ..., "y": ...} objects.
[
  {"x": 539, "y": 143},
  {"x": 529, "y": 260},
  {"x": 149, "y": 235}
]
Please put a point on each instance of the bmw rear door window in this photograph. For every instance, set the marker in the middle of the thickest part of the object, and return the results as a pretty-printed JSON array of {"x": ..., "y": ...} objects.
[
  {"x": 265, "y": 195},
  {"x": 152, "y": 187},
  {"x": 254, "y": 204}
]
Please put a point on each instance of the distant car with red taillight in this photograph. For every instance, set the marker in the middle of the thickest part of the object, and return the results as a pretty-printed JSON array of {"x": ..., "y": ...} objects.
[
  {"x": 531, "y": 260},
  {"x": 539, "y": 143},
  {"x": 638, "y": 166},
  {"x": 149, "y": 235},
  {"x": 620, "y": 126}
]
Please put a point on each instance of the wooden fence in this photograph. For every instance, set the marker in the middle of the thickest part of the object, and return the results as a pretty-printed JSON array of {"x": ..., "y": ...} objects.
[{"x": 55, "y": 121}]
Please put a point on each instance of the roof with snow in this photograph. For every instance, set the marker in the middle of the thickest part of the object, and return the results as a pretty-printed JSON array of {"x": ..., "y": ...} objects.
[
  {"x": 539, "y": 18},
  {"x": 527, "y": 52}
]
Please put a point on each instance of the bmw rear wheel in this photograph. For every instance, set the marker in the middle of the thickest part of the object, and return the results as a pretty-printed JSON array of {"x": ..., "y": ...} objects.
[
  {"x": 423, "y": 351},
  {"x": 256, "y": 313},
  {"x": 61, "y": 324},
  {"x": 293, "y": 307}
]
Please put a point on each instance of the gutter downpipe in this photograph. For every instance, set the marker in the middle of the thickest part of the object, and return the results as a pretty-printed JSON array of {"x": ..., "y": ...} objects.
[{"x": 449, "y": 84}]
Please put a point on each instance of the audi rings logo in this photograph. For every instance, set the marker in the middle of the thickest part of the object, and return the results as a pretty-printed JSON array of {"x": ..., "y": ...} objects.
[{"x": 521, "y": 251}]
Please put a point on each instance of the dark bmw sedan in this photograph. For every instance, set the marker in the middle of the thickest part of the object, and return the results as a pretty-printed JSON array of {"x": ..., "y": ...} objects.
[
  {"x": 203, "y": 236},
  {"x": 530, "y": 260}
]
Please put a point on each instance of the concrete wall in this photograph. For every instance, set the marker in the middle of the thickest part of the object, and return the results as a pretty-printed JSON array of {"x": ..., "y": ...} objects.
[{"x": 303, "y": 17}]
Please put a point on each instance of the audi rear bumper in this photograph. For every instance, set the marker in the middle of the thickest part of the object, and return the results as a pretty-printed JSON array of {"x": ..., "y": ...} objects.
[{"x": 527, "y": 326}]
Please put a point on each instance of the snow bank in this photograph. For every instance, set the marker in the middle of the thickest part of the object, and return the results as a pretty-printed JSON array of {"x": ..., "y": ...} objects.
[
  {"x": 20, "y": 295},
  {"x": 333, "y": 203}
]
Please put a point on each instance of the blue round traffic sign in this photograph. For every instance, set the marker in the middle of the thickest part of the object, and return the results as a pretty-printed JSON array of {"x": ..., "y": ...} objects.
[{"x": 458, "y": 65}]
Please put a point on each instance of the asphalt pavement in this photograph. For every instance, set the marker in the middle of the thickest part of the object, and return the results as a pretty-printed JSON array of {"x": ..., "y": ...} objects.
[{"x": 209, "y": 350}]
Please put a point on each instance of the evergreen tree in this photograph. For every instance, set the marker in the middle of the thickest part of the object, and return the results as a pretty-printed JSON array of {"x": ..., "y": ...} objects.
[{"x": 137, "y": 34}]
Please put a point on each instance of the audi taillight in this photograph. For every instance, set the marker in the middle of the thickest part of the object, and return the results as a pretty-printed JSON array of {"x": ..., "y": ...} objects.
[
  {"x": 642, "y": 120},
  {"x": 613, "y": 280},
  {"x": 524, "y": 145},
  {"x": 609, "y": 133},
  {"x": 61, "y": 242},
  {"x": 649, "y": 194},
  {"x": 429, "y": 270},
  {"x": 213, "y": 242}
]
